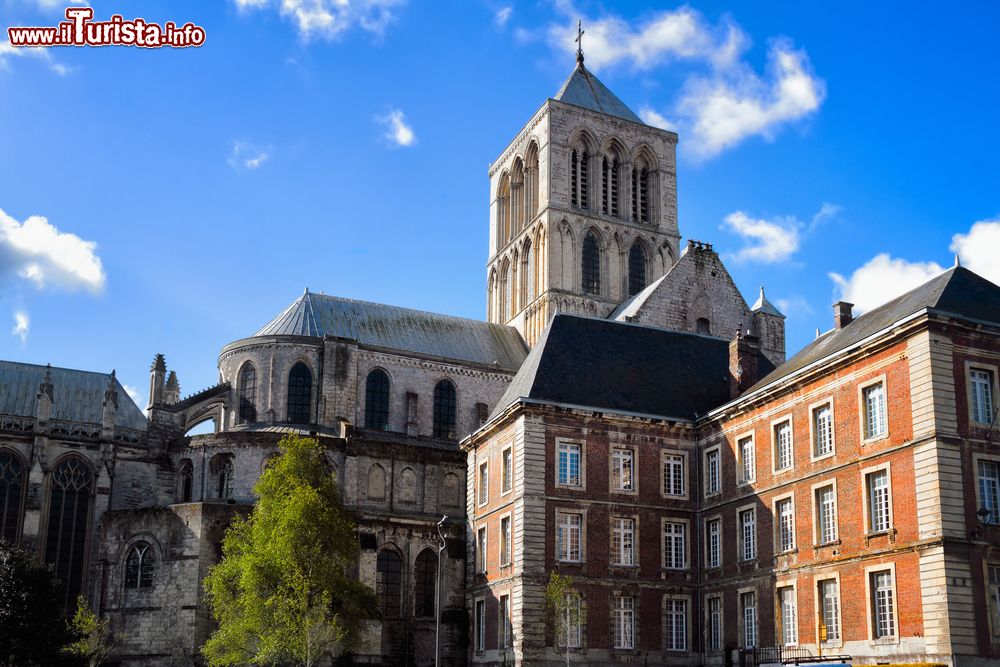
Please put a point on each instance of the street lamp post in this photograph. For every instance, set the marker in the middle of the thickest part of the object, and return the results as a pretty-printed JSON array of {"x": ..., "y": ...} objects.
[{"x": 437, "y": 594}]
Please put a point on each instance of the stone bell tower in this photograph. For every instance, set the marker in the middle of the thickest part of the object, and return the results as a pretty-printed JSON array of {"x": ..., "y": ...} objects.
[{"x": 583, "y": 208}]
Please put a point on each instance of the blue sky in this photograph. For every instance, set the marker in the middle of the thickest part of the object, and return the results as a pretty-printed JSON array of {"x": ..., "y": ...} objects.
[{"x": 827, "y": 150}]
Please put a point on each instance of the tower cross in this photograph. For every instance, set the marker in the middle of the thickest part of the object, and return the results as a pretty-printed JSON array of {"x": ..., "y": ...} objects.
[{"x": 579, "y": 41}]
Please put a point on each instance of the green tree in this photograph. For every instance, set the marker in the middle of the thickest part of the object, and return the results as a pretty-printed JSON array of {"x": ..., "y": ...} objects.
[
  {"x": 32, "y": 628},
  {"x": 281, "y": 593},
  {"x": 94, "y": 640},
  {"x": 564, "y": 611}
]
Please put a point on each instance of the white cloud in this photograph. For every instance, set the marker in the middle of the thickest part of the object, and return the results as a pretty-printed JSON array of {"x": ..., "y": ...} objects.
[
  {"x": 21, "y": 326},
  {"x": 396, "y": 129},
  {"x": 883, "y": 278},
  {"x": 767, "y": 241},
  {"x": 826, "y": 212},
  {"x": 718, "y": 108},
  {"x": 246, "y": 155},
  {"x": 652, "y": 117},
  {"x": 37, "y": 251},
  {"x": 503, "y": 15},
  {"x": 39, "y": 53},
  {"x": 328, "y": 19},
  {"x": 133, "y": 393},
  {"x": 979, "y": 249},
  {"x": 723, "y": 110}
]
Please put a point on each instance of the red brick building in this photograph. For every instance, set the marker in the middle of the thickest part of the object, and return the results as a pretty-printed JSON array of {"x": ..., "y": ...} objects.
[{"x": 848, "y": 502}]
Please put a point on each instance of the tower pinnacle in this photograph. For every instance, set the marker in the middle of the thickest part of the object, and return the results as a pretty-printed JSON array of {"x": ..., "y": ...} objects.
[{"x": 579, "y": 42}]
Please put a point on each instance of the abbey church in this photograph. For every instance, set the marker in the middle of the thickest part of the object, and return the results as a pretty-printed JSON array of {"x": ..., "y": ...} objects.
[{"x": 624, "y": 416}]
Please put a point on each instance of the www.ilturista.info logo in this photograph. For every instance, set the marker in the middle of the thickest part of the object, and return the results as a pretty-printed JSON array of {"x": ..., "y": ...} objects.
[{"x": 80, "y": 30}]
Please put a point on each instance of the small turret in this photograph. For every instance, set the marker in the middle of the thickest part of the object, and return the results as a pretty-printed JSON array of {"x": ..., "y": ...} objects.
[
  {"x": 109, "y": 408},
  {"x": 43, "y": 405},
  {"x": 769, "y": 324},
  {"x": 157, "y": 377},
  {"x": 172, "y": 390}
]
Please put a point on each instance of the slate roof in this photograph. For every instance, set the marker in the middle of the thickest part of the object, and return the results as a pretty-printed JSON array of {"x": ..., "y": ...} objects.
[
  {"x": 632, "y": 305},
  {"x": 584, "y": 90},
  {"x": 958, "y": 292},
  {"x": 623, "y": 367},
  {"x": 403, "y": 329},
  {"x": 77, "y": 395}
]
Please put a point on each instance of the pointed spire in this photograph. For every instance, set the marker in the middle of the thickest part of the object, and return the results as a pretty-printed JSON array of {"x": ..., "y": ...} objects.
[
  {"x": 45, "y": 388},
  {"x": 579, "y": 42},
  {"x": 958, "y": 262},
  {"x": 159, "y": 364},
  {"x": 817, "y": 332},
  {"x": 172, "y": 380},
  {"x": 111, "y": 393}
]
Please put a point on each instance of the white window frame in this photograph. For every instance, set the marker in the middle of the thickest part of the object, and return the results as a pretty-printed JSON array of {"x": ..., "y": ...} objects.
[
  {"x": 623, "y": 615},
  {"x": 482, "y": 549},
  {"x": 685, "y": 542},
  {"x": 673, "y": 456},
  {"x": 506, "y": 471},
  {"x": 506, "y": 556},
  {"x": 814, "y": 454},
  {"x": 742, "y": 460},
  {"x": 711, "y": 564},
  {"x": 865, "y": 473},
  {"x": 505, "y": 628},
  {"x": 624, "y": 454},
  {"x": 483, "y": 495},
  {"x": 780, "y": 633},
  {"x": 581, "y": 451},
  {"x": 863, "y": 410},
  {"x": 779, "y": 535},
  {"x": 775, "y": 445},
  {"x": 818, "y": 516},
  {"x": 992, "y": 580},
  {"x": 582, "y": 529},
  {"x": 820, "y": 608},
  {"x": 574, "y": 634},
  {"x": 685, "y": 614},
  {"x": 619, "y": 559},
  {"x": 709, "y": 452},
  {"x": 714, "y": 634},
  {"x": 993, "y": 372},
  {"x": 741, "y": 549},
  {"x": 977, "y": 459},
  {"x": 871, "y": 602},
  {"x": 479, "y": 606},
  {"x": 749, "y": 627}
]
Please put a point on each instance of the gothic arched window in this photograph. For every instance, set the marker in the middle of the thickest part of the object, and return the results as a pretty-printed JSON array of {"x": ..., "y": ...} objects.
[
  {"x": 299, "y": 394},
  {"x": 703, "y": 326},
  {"x": 247, "y": 391},
  {"x": 70, "y": 487},
  {"x": 185, "y": 482},
  {"x": 424, "y": 582},
  {"x": 221, "y": 468},
  {"x": 12, "y": 480},
  {"x": 444, "y": 410},
  {"x": 609, "y": 185},
  {"x": 376, "y": 482},
  {"x": 591, "y": 265},
  {"x": 641, "y": 193},
  {"x": 377, "y": 400},
  {"x": 503, "y": 211},
  {"x": 531, "y": 180},
  {"x": 507, "y": 304},
  {"x": 449, "y": 491},
  {"x": 139, "y": 566},
  {"x": 579, "y": 177},
  {"x": 529, "y": 273},
  {"x": 408, "y": 486},
  {"x": 636, "y": 269},
  {"x": 388, "y": 583}
]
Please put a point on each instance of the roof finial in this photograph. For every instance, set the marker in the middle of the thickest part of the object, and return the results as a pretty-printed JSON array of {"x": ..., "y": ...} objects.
[
  {"x": 579, "y": 42},
  {"x": 958, "y": 262}
]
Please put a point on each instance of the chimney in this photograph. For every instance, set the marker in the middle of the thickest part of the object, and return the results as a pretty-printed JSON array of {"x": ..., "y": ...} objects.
[
  {"x": 743, "y": 352},
  {"x": 842, "y": 314}
]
